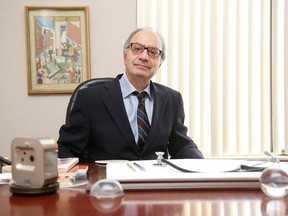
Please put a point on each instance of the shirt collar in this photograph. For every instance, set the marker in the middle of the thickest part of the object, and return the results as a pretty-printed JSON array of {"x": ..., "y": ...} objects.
[{"x": 127, "y": 88}]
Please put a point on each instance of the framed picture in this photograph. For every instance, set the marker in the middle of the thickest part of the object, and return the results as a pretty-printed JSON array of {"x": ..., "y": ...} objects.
[{"x": 58, "y": 52}]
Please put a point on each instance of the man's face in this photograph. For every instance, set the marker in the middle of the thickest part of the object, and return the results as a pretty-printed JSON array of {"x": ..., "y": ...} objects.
[{"x": 142, "y": 65}]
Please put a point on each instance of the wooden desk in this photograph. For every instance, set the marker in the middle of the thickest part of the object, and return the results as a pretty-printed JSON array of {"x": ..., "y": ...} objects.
[{"x": 76, "y": 201}]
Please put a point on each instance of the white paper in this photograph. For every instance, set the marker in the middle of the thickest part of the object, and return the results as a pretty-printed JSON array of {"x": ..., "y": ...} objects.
[
  {"x": 5, "y": 178},
  {"x": 209, "y": 169}
]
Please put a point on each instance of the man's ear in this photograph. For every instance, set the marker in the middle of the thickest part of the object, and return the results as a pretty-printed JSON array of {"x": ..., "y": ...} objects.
[{"x": 124, "y": 57}]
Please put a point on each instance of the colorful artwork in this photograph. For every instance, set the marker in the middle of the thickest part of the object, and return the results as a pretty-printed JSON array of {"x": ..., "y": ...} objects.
[{"x": 58, "y": 50}]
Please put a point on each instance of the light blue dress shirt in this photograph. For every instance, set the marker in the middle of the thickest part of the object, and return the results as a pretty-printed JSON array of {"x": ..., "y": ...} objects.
[{"x": 131, "y": 103}]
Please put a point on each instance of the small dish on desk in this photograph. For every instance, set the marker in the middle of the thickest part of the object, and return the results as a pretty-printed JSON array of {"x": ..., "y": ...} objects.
[{"x": 106, "y": 189}]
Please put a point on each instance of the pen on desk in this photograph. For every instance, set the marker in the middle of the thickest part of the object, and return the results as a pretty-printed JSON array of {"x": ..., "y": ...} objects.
[
  {"x": 131, "y": 167},
  {"x": 140, "y": 167}
]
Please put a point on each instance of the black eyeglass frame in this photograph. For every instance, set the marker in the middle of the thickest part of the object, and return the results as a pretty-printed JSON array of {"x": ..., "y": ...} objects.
[{"x": 146, "y": 48}]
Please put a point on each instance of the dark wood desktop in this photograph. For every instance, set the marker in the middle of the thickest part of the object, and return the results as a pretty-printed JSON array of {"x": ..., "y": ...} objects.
[{"x": 76, "y": 201}]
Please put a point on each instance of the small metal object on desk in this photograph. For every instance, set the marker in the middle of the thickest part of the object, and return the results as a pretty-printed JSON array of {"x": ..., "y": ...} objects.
[
  {"x": 271, "y": 157},
  {"x": 159, "y": 158}
]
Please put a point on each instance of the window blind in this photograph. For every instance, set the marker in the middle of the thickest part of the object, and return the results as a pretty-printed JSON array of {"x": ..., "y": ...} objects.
[{"x": 229, "y": 68}]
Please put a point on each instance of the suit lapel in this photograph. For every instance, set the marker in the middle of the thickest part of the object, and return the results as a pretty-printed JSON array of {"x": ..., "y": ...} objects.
[
  {"x": 160, "y": 101},
  {"x": 112, "y": 98}
]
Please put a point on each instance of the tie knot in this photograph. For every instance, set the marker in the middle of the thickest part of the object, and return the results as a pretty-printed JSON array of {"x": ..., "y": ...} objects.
[{"x": 140, "y": 95}]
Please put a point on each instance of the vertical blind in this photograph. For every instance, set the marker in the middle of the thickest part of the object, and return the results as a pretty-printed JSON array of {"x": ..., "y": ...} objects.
[{"x": 229, "y": 60}]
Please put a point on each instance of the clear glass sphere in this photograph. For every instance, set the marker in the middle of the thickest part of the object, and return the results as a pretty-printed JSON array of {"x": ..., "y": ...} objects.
[{"x": 274, "y": 182}]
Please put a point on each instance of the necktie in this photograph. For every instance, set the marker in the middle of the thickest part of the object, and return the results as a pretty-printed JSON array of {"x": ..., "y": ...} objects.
[{"x": 142, "y": 120}]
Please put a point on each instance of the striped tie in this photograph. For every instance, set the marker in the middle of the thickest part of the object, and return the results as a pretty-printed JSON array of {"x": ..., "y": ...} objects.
[{"x": 142, "y": 120}]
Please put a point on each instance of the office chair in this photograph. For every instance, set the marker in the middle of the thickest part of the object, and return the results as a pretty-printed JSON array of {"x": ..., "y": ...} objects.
[
  {"x": 83, "y": 85},
  {"x": 86, "y": 84}
]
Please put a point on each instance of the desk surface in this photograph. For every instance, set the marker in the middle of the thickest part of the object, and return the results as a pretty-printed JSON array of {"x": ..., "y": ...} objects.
[{"x": 76, "y": 201}]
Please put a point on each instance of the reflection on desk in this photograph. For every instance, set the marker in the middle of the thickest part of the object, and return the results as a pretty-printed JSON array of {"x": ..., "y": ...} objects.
[{"x": 76, "y": 201}]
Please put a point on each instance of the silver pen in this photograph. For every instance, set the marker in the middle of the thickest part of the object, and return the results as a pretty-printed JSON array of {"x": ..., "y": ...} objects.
[
  {"x": 272, "y": 158},
  {"x": 140, "y": 167}
]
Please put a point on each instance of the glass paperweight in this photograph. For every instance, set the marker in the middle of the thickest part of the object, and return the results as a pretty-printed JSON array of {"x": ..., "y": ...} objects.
[
  {"x": 274, "y": 182},
  {"x": 106, "y": 189},
  {"x": 274, "y": 207}
]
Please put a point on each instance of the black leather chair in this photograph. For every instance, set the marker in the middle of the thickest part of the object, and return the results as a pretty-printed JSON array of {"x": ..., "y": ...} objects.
[
  {"x": 85, "y": 84},
  {"x": 83, "y": 158}
]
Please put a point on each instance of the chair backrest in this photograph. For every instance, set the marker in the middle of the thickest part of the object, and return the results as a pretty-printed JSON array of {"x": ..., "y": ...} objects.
[{"x": 85, "y": 84}]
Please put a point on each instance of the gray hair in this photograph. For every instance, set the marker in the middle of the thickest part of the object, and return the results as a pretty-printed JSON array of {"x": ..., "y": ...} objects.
[{"x": 127, "y": 42}]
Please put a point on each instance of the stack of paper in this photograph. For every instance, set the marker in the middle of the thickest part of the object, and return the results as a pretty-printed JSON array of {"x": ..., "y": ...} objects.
[
  {"x": 74, "y": 177},
  {"x": 208, "y": 173},
  {"x": 70, "y": 174},
  {"x": 67, "y": 176},
  {"x": 65, "y": 164}
]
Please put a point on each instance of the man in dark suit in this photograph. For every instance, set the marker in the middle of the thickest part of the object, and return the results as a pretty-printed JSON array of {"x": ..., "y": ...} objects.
[{"x": 103, "y": 123}]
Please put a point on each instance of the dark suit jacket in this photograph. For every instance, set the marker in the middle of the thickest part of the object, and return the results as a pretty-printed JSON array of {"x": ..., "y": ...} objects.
[{"x": 98, "y": 124}]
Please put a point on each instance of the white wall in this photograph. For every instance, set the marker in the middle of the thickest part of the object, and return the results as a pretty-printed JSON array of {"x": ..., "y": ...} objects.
[{"x": 42, "y": 115}]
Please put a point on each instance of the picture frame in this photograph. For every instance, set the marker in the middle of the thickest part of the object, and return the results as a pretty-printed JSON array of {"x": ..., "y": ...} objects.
[{"x": 58, "y": 48}]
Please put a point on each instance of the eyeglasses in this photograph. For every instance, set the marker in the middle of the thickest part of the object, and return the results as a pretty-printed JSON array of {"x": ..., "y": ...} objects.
[{"x": 138, "y": 48}]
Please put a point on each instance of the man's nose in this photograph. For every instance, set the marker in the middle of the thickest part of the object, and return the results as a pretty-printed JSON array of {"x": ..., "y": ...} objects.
[{"x": 144, "y": 54}]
